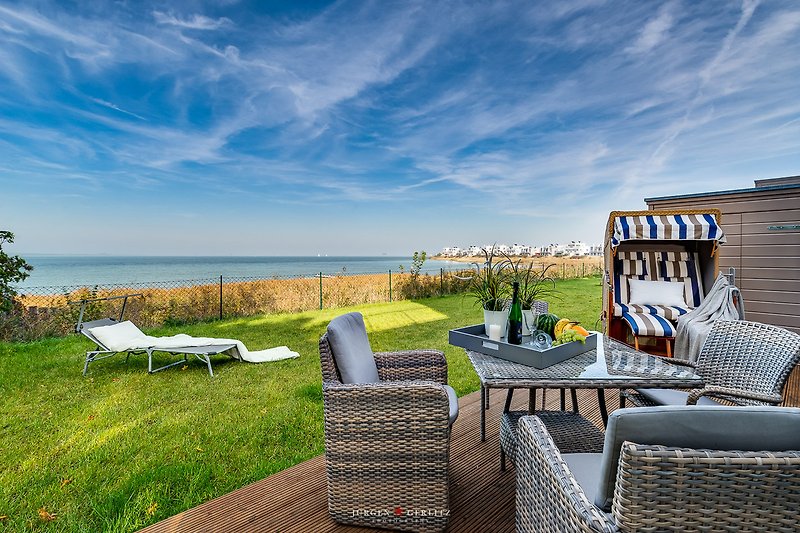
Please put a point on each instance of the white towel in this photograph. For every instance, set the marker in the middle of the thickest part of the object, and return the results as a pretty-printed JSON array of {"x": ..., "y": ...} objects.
[
  {"x": 694, "y": 326},
  {"x": 126, "y": 336}
]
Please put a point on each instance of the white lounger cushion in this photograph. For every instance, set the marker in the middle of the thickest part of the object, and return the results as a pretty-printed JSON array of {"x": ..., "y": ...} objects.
[{"x": 118, "y": 337}]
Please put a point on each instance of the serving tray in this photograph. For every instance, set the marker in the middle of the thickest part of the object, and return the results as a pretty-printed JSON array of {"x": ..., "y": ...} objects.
[{"x": 474, "y": 338}]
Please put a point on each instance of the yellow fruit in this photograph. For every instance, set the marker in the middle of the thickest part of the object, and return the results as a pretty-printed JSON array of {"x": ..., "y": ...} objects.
[
  {"x": 559, "y": 327},
  {"x": 577, "y": 328}
]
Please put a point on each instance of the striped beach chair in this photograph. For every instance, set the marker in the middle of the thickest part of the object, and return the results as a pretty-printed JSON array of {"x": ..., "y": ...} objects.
[
  {"x": 677, "y": 245},
  {"x": 656, "y": 321}
]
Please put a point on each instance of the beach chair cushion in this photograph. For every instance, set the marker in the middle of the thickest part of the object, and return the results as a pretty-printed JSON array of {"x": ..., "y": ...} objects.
[
  {"x": 655, "y": 266},
  {"x": 645, "y": 292},
  {"x": 118, "y": 337},
  {"x": 647, "y": 325},
  {"x": 351, "y": 349},
  {"x": 669, "y": 312}
]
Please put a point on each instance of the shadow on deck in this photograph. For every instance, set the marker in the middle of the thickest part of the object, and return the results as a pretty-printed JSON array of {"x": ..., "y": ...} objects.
[{"x": 295, "y": 500}]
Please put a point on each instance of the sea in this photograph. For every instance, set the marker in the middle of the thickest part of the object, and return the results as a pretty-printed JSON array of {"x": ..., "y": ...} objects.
[{"x": 90, "y": 270}]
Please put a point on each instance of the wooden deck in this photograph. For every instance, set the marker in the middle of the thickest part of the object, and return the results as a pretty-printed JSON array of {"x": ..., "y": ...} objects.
[{"x": 295, "y": 500}]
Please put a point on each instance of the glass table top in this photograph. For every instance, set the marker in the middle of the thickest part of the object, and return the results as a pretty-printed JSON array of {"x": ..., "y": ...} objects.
[{"x": 612, "y": 363}]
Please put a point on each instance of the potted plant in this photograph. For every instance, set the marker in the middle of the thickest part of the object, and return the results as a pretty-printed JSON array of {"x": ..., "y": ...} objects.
[
  {"x": 489, "y": 287},
  {"x": 534, "y": 284}
]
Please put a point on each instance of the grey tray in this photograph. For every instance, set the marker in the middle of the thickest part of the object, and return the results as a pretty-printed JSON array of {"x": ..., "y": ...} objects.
[{"x": 474, "y": 338}]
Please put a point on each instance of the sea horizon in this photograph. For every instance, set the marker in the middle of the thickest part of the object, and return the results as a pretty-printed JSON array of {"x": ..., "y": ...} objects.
[{"x": 68, "y": 270}]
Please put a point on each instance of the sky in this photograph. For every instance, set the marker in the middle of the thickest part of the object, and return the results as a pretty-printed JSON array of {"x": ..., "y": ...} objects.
[{"x": 363, "y": 128}]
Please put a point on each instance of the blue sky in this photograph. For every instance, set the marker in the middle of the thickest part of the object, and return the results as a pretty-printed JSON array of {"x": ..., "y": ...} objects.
[{"x": 297, "y": 128}]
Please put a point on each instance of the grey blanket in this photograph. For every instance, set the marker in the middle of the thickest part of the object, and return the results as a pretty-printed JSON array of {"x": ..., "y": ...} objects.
[{"x": 694, "y": 326}]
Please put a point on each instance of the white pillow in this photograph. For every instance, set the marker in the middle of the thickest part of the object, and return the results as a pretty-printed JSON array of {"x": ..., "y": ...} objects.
[
  {"x": 117, "y": 337},
  {"x": 644, "y": 292}
]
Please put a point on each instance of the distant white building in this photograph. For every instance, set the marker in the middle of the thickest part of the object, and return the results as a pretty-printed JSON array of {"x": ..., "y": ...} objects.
[
  {"x": 576, "y": 248},
  {"x": 553, "y": 249},
  {"x": 451, "y": 251},
  {"x": 520, "y": 249},
  {"x": 573, "y": 249}
]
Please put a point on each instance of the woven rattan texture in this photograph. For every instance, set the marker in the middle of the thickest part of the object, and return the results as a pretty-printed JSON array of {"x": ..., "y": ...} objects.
[
  {"x": 751, "y": 359},
  {"x": 548, "y": 497},
  {"x": 675, "y": 489},
  {"x": 570, "y": 432},
  {"x": 742, "y": 363},
  {"x": 387, "y": 443}
]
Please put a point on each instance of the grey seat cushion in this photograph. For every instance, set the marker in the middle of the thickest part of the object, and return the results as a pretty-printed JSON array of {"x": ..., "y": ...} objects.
[
  {"x": 711, "y": 427},
  {"x": 585, "y": 468},
  {"x": 452, "y": 398},
  {"x": 672, "y": 397},
  {"x": 355, "y": 361}
]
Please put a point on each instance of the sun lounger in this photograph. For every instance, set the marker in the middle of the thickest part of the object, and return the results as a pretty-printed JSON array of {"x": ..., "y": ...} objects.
[
  {"x": 203, "y": 353},
  {"x": 115, "y": 336}
]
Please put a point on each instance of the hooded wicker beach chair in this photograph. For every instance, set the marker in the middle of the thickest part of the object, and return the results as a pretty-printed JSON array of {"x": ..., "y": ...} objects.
[
  {"x": 387, "y": 431},
  {"x": 658, "y": 266},
  {"x": 699, "y": 468}
]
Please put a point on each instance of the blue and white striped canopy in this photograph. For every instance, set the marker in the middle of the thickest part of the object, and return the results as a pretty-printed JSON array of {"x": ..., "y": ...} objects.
[{"x": 702, "y": 227}]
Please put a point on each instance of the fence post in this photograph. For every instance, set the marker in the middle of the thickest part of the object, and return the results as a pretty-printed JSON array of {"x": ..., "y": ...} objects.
[
  {"x": 563, "y": 271},
  {"x": 320, "y": 290},
  {"x": 390, "y": 284},
  {"x": 441, "y": 281},
  {"x": 583, "y": 270},
  {"x": 220, "y": 297}
]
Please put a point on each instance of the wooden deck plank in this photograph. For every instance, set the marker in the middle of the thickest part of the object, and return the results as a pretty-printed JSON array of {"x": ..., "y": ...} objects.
[{"x": 295, "y": 500}]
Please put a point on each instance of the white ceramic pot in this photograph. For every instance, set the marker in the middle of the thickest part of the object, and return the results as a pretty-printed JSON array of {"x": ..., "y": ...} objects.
[{"x": 496, "y": 318}]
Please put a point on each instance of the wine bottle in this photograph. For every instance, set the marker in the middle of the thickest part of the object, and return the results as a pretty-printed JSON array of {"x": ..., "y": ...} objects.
[{"x": 515, "y": 318}]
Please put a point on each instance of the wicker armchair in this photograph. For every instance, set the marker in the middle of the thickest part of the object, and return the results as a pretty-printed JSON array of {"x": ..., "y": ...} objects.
[
  {"x": 742, "y": 363},
  {"x": 675, "y": 481},
  {"x": 387, "y": 442}
]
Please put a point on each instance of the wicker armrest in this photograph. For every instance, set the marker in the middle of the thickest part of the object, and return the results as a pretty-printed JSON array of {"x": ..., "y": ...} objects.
[
  {"x": 680, "y": 362},
  {"x": 548, "y": 496},
  {"x": 411, "y": 365},
  {"x": 748, "y": 397},
  {"x": 409, "y": 402}
]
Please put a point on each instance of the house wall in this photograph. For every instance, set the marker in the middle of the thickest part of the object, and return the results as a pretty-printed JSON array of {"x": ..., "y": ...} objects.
[{"x": 766, "y": 258}]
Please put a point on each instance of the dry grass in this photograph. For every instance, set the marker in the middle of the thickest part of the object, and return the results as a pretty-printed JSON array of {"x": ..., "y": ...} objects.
[
  {"x": 44, "y": 315},
  {"x": 51, "y": 314}
]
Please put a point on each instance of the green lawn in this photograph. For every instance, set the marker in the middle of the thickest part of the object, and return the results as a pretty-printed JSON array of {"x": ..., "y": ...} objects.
[{"x": 121, "y": 449}]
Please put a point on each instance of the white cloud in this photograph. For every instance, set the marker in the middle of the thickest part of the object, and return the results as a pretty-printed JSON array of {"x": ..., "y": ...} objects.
[
  {"x": 655, "y": 32},
  {"x": 193, "y": 22}
]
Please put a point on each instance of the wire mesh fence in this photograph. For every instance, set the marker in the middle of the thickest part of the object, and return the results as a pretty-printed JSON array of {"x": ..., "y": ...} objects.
[{"x": 47, "y": 311}]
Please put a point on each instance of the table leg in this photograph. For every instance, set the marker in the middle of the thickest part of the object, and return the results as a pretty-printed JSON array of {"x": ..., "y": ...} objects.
[
  {"x": 486, "y": 405},
  {"x": 563, "y": 399},
  {"x": 483, "y": 414},
  {"x": 573, "y": 395},
  {"x": 601, "y": 400},
  {"x": 532, "y": 400},
  {"x": 621, "y": 400},
  {"x": 509, "y": 396}
]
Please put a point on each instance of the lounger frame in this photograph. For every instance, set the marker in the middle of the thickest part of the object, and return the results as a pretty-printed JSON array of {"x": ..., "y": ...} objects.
[{"x": 203, "y": 353}]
